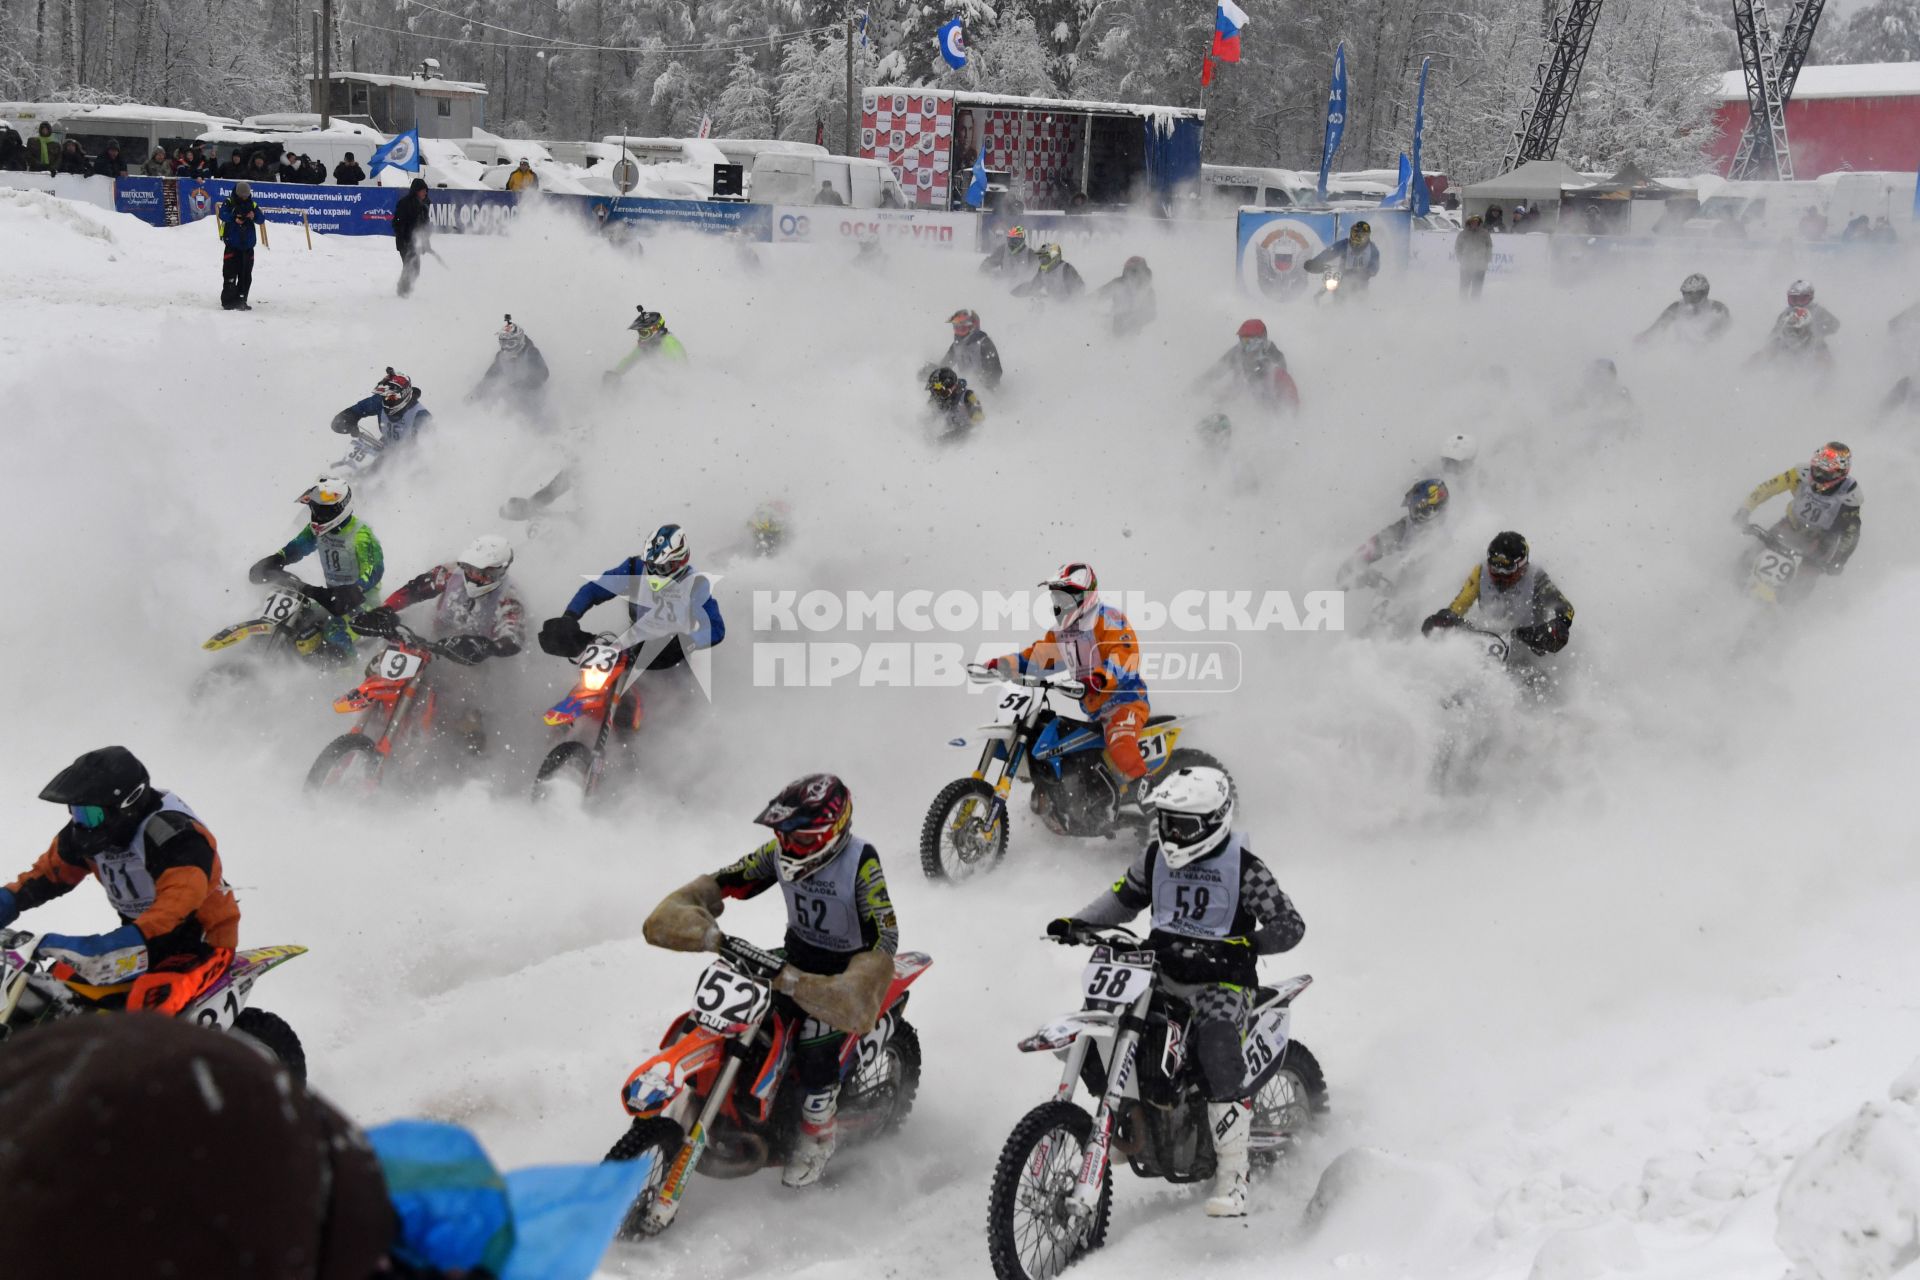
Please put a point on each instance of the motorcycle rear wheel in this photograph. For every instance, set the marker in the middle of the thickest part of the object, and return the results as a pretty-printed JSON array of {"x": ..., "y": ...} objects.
[
  {"x": 893, "y": 1082},
  {"x": 1291, "y": 1101},
  {"x": 350, "y": 761},
  {"x": 956, "y": 842},
  {"x": 568, "y": 763},
  {"x": 662, "y": 1137},
  {"x": 1029, "y": 1236},
  {"x": 271, "y": 1032}
]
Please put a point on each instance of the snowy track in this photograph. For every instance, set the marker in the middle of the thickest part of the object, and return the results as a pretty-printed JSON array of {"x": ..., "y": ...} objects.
[{"x": 1616, "y": 996}]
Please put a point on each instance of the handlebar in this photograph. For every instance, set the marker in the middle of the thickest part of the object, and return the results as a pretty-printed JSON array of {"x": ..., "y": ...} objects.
[
  {"x": 749, "y": 959},
  {"x": 1087, "y": 935},
  {"x": 1058, "y": 680}
]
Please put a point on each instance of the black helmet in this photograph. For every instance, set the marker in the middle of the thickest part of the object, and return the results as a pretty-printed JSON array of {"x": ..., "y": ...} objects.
[
  {"x": 1507, "y": 558},
  {"x": 101, "y": 785},
  {"x": 945, "y": 383},
  {"x": 1694, "y": 288}
]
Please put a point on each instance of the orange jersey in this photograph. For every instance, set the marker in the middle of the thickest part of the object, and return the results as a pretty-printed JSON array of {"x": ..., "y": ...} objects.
[{"x": 1108, "y": 646}]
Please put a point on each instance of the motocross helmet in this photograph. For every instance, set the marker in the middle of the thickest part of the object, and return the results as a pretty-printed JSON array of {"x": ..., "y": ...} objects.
[
  {"x": 944, "y": 384},
  {"x": 1049, "y": 256},
  {"x": 1507, "y": 560},
  {"x": 667, "y": 559},
  {"x": 1016, "y": 239},
  {"x": 1192, "y": 811},
  {"x": 396, "y": 391},
  {"x": 1074, "y": 594},
  {"x": 513, "y": 339},
  {"x": 965, "y": 323},
  {"x": 1832, "y": 463},
  {"x": 1694, "y": 288},
  {"x": 1425, "y": 500},
  {"x": 1799, "y": 294},
  {"x": 484, "y": 564},
  {"x": 329, "y": 504},
  {"x": 1361, "y": 233},
  {"x": 1253, "y": 337},
  {"x": 101, "y": 786},
  {"x": 1135, "y": 268},
  {"x": 648, "y": 324},
  {"x": 812, "y": 819},
  {"x": 769, "y": 526},
  {"x": 1458, "y": 453}
]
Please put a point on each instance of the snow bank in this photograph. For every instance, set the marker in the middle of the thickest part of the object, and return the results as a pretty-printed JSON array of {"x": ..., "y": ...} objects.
[
  {"x": 1850, "y": 1207},
  {"x": 1374, "y": 1209},
  {"x": 1587, "y": 1253},
  {"x": 21, "y": 210}
]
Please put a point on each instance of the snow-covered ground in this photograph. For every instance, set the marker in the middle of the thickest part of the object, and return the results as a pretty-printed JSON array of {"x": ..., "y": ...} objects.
[{"x": 1578, "y": 1024}]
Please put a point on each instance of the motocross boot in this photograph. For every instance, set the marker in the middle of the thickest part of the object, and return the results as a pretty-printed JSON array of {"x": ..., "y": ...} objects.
[
  {"x": 1232, "y": 1124},
  {"x": 814, "y": 1144}
]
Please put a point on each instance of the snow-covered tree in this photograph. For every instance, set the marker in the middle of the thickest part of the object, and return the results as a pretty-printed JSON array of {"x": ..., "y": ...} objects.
[{"x": 1885, "y": 32}]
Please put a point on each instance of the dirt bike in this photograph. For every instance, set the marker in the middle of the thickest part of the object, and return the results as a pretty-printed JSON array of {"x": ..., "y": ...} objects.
[
  {"x": 1330, "y": 283},
  {"x": 32, "y": 993},
  {"x": 1470, "y": 732},
  {"x": 607, "y": 675},
  {"x": 1050, "y": 744},
  {"x": 395, "y": 709},
  {"x": 288, "y": 626},
  {"x": 1775, "y": 564},
  {"x": 1052, "y": 1191},
  {"x": 718, "y": 1097}
]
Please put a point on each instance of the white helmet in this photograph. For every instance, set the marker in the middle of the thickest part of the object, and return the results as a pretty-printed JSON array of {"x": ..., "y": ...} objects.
[
  {"x": 485, "y": 563},
  {"x": 1193, "y": 813},
  {"x": 1460, "y": 447},
  {"x": 329, "y": 504},
  {"x": 1074, "y": 593}
]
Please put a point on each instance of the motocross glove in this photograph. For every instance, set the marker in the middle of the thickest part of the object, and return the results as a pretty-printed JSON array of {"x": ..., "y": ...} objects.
[
  {"x": 1741, "y": 518},
  {"x": 1098, "y": 682},
  {"x": 1534, "y": 636},
  {"x": 1066, "y": 930},
  {"x": 266, "y": 568},
  {"x": 377, "y": 621},
  {"x": 563, "y": 637},
  {"x": 1444, "y": 618},
  {"x": 503, "y": 647},
  {"x": 344, "y": 423},
  {"x": 467, "y": 649}
]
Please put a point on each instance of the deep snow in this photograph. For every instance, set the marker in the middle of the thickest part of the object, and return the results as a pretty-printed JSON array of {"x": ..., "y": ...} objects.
[{"x": 1577, "y": 1024}]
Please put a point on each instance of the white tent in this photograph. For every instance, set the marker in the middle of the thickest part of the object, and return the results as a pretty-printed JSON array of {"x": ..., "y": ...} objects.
[{"x": 1535, "y": 181}]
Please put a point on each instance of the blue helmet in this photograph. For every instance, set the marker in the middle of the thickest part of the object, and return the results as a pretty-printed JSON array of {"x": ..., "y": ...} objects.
[{"x": 667, "y": 557}]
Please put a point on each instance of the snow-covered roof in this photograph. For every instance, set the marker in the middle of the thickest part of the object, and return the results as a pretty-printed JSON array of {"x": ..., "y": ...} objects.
[
  {"x": 962, "y": 98},
  {"x": 453, "y": 88},
  {"x": 108, "y": 111},
  {"x": 1859, "y": 80},
  {"x": 309, "y": 122}
]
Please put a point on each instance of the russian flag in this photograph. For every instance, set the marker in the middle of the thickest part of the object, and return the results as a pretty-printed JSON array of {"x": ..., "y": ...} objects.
[{"x": 1227, "y": 22}]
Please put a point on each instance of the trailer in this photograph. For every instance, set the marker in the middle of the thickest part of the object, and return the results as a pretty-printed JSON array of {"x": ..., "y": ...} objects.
[{"x": 1053, "y": 153}]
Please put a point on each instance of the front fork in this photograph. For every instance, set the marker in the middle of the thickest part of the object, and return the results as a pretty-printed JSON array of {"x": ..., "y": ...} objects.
[{"x": 667, "y": 1203}]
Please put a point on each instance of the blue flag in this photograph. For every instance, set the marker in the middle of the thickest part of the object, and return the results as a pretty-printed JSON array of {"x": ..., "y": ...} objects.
[
  {"x": 402, "y": 153},
  {"x": 1336, "y": 118},
  {"x": 953, "y": 43},
  {"x": 1398, "y": 196},
  {"x": 863, "y": 31},
  {"x": 977, "y": 189},
  {"x": 1422, "y": 202}
]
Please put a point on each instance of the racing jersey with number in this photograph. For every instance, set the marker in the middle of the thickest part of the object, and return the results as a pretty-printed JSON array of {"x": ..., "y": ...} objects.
[{"x": 834, "y": 914}]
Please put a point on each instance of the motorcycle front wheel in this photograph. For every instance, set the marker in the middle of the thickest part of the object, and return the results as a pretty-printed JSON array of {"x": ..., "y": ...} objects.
[
  {"x": 961, "y": 838},
  {"x": 350, "y": 763},
  {"x": 1030, "y": 1233},
  {"x": 662, "y": 1138},
  {"x": 565, "y": 772}
]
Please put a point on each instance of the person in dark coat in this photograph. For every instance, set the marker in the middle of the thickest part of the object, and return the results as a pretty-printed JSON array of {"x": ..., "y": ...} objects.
[
  {"x": 348, "y": 173},
  {"x": 413, "y": 232},
  {"x": 13, "y": 151},
  {"x": 73, "y": 159},
  {"x": 239, "y": 216},
  {"x": 43, "y": 151},
  {"x": 1473, "y": 254},
  {"x": 312, "y": 172},
  {"x": 110, "y": 165}
]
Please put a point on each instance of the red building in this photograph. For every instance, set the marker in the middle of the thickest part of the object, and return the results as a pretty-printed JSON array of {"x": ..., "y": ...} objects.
[{"x": 1865, "y": 116}]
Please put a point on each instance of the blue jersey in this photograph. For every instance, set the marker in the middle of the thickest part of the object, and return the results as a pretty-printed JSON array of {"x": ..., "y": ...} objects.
[
  {"x": 702, "y": 626},
  {"x": 395, "y": 428}
]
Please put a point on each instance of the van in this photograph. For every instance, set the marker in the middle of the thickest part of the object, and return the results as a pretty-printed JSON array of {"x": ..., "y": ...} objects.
[
  {"x": 138, "y": 129},
  {"x": 1226, "y": 189},
  {"x": 796, "y": 179}
]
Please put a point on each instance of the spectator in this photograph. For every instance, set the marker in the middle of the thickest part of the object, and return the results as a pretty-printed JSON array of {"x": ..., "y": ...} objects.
[
  {"x": 1857, "y": 228},
  {"x": 238, "y": 216},
  {"x": 312, "y": 172},
  {"x": 234, "y": 167},
  {"x": 74, "y": 160},
  {"x": 413, "y": 232},
  {"x": 43, "y": 152},
  {"x": 203, "y": 165},
  {"x": 288, "y": 169},
  {"x": 827, "y": 195},
  {"x": 523, "y": 178},
  {"x": 1473, "y": 252},
  {"x": 1882, "y": 232},
  {"x": 13, "y": 152},
  {"x": 1813, "y": 225},
  {"x": 258, "y": 169},
  {"x": 110, "y": 165},
  {"x": 157, "y": 165},
  {"x": 349, "y": 174},
  {"x": 1496, "y": 221}
]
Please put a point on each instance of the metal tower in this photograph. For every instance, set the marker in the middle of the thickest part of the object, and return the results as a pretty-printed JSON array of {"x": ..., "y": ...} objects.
[
  {"x": 1554, "y": 81},
  {"x": 1795, "y": 39},
  {"x": 1769, "y": 156}
]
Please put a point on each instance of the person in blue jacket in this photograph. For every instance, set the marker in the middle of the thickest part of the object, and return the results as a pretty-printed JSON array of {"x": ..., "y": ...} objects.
[
  {"x": 238, "y": 215},
  {"x": 1358, "y": 258},
  {"x": 395, "y": 406},
  {"x": 670, "y": 608}
]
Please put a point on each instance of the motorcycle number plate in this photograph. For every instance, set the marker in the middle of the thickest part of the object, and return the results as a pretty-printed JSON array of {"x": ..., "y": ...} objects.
[
  {"x": 1109, "y": 982},
  {"x": 1013, "y": 705},
  {"x": 724, "y": 999},
  {"x": 598, "y": 657},
  {"x": 395, "y": 664},
  {"x": 282, "y": 607},
  {"x": 1775, "y": 568},
  {"x": 1266, "y": 1040}
]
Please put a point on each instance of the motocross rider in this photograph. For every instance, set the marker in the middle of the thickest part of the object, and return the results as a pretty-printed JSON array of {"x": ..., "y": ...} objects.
[
  {"x": 1795, "y": 340},
  {"x": 1357, "y": 257},
  {"x": 179, "y": 922},
  {"x": 518, "y": 373},
  {"x": 840, "y": 943},
  {"x": 1426, "y": 506},
  {"x": 1695, "y": 317},
  {"x": 395, "y": 406},
  {"x": 1515, "y": 597},
  {"x": 652, "y": 344},
  {"x": 1255, "y": 365},
  {"x": 1053, "y": 277},
  {"x": 954, "y": 407},
  {"x": 1129, "y": 298},
  {"x": 1823, "y": 512},
  {"x": 972, "y": 354},
  {"x": 1216, "y": 910},
  {"x": 350, "y": 559},
  {"x": 1800, "y": 298},
  {"x": 1096, "y": 644},
  {"x": 1012, "y": 258},
  {"x": 670, "y": 608},
  {"x": 477, "y": 615}
]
